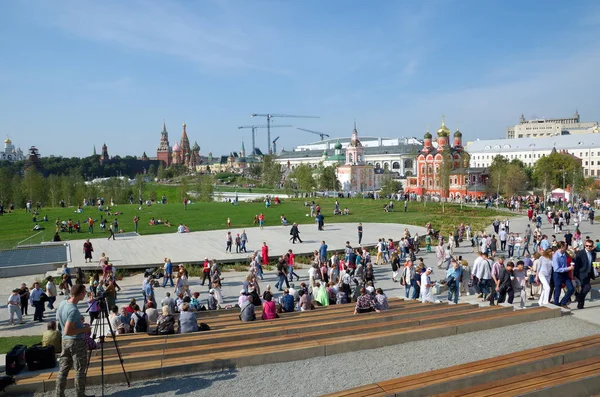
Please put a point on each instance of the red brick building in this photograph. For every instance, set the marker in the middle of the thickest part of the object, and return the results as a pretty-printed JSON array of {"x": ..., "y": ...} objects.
[{"x": 462, "y": 180}]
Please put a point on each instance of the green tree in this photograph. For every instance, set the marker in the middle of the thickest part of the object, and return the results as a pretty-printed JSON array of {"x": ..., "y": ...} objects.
[
  {"x": 34, "y": 188},
  {"x": 152, "y": 171},
  {"x": 303, "y": 175},
  {"x": 389, "y": 185},
  {"x": 140, "y": 186},
  {"x": 271, "y": 171},
  {"x": 557, "y": 170},
  {"x": 161, "y": 174},
  {"x": 6, "y": 187},
  {"x": 508, "y": 178},
  {"x": 205, "y": 188},
  {"x": 327, "y": 178}
]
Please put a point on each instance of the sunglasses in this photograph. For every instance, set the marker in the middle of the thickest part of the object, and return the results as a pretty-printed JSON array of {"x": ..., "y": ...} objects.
[{"x": 589, "y": 246}]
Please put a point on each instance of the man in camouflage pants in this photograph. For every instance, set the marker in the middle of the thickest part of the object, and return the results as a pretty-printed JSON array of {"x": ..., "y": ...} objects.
[{"x": 74, "y": 347}]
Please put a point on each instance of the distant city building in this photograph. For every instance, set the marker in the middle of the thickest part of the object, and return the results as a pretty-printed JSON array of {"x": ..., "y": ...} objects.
[
  {"x": 395, "y": 155},
  {"x": 11, "y": 153},
  {"x": 180, "y": 153},
  {"x": 543, "y": 128},
  {"x": 235, "y": 162},
  {"x": 585, "y": 147},
  {"x": 463, "y": 180}
]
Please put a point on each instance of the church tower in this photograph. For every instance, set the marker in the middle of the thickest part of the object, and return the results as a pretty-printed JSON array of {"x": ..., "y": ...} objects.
[
  {"x": 442, "y": 136},
  {"x": 163, "y": 153},
  {"x": 186, "y": 151},
  {"x": 355, "y": 152},
  {"x": 104, "y": 156}
]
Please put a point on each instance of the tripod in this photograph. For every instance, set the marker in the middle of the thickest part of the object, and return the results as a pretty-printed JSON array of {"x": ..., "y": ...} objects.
[{"x": 99, "y": 330}]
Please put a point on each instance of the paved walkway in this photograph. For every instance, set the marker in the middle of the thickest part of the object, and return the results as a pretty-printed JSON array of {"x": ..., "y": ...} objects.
[{"x": 135, "y": 251}]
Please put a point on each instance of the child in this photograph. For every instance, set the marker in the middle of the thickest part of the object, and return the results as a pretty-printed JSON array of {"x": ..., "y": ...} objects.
[
  {"x": 228, "y": 222},
  {"x": 428, "y": 243}
]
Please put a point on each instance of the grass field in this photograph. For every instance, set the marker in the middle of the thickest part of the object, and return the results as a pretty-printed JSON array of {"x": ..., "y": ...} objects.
[
  {"x": 17, "y": 226},
  {"x": 7, "y": 343}
]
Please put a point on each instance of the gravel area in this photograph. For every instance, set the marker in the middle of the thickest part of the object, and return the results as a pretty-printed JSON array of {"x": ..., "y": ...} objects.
[{"x": 322, "y": 375}]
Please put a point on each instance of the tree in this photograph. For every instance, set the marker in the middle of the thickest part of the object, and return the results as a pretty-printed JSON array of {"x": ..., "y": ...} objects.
[
  {"x": 152, "y": 171},
  {"x": 390, "y": 186},
  {"x": 303, "y": 174},
  {"x": 558, "y": 170},
  {"x": 140, "y": 185},
  {"x": 508, "y": 178},
  {"x": 34, "y": 186},
  {"x": 442, "y": 178},
  {"x": 327, "y": 178},
  {"x": 161, "y": 174},
  {"x": 271, "y": 171},
  {"x": 205, "y": 188}
]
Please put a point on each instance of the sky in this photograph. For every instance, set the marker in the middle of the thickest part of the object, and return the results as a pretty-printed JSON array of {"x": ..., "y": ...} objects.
[{"x": 77, "y": 74}]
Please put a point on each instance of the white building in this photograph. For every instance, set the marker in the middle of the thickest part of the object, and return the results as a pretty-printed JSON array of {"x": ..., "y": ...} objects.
[
  {"x": 11, "y": 153},
  {"x": 396, "y": 155},
  {"x": 543, "y": 128},
  {"x": 585, "y": 147}
]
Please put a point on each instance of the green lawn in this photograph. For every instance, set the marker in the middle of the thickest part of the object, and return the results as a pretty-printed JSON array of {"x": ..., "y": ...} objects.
[
  {"x": 7, "y": 343},
  {"x": 17, "y": 226}
]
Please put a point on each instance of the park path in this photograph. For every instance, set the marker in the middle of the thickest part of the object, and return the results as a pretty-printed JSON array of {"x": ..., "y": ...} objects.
[{"x": 135, "y": 251}]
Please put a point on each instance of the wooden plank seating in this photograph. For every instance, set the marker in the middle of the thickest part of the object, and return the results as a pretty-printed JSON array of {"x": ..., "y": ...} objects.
[
  {"x": 581, "y": 378},
  {"x": 209, "y": 344},
  {"x": 303, "y": 335},
  {"x": 505, "y": 370}
]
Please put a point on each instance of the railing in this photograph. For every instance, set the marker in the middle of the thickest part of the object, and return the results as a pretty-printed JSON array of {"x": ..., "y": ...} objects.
[{"x": 31, "y": 237}]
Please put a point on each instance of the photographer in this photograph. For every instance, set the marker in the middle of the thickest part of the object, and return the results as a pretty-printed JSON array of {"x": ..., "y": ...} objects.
[{"x": 74, "y": 347}]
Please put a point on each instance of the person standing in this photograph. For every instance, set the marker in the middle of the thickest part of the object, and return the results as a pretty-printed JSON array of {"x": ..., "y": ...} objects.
[
  {"x": 229, "y": 242},
  {"x": 584, "y": 271},
  {"x": 360, "y": 233},
  {"x": 244, "y": 239},
  {"x": 51, "y": 292},
  {"x": 24, "y": 295},
  {"x": 206, "y": 272},
  {"x": 291, "y": 261},
  {"x": 168, "y": 269},
  {"x": 426, "y": 286},
  {"x": 323, "y": 252},
  {"x": 265, "y": 254},
  {"x": 14, "y": 301},
  {"x": 561, "y": 275},
  {"x": 74, "y": 346},
  {"x": 136, "y": 220},
  {"x": 111, "y": 231},
  {"x": 453, "y": 280},
  {"x": 261, "y": 220},
  {"x": 36, "y": 301},
  {"x": 87, "y": 251}
]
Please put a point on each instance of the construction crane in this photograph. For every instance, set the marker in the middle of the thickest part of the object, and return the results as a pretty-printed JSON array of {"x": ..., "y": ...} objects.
[
  {"x": 269, "y": 116},
  {"x": 254, "y": 127},
  {"x": 275, "y": 145},
  {"x": 323, "y": 135}
]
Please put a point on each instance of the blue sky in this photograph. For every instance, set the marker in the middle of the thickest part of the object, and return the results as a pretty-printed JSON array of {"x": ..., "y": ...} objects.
[{"x": 74, "y": 74}]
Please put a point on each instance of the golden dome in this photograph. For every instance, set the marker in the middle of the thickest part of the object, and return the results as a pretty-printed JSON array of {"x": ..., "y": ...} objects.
[
  {"x": 7, "y": 141},
  {"x": 443, "y": 131},
  {"x": 184, "y": 125}
]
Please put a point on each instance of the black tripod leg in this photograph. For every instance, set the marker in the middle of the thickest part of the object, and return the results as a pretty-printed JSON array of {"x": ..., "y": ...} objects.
[{"x": 113, "y": 336}]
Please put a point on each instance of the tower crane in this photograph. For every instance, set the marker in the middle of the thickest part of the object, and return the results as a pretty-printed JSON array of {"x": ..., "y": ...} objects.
[
  {"x": 269, "y": 116},
  {"x": 254, "y": 127},
  {"x": 322, "y": 134},
  {"x": 275, "y": 145}
]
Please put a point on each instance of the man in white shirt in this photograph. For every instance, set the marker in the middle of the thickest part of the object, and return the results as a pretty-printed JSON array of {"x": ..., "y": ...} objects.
[
  {"x": 180, "y": 228},
  {"x": 426, "y": 286},
  {"x": 502, "y": 236}
]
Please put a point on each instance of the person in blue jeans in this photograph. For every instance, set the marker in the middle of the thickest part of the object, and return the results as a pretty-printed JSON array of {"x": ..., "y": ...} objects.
[
  {"x": 168, "y": 273},
  {"x": 407, "y": 278},
  {"x": 561, "y": 275},
  {"x": 415, "y": 283},
  {"x": 453, "y": 279}
]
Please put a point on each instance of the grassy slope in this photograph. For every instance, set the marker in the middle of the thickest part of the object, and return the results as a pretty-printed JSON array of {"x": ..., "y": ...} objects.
[
  {"x": 207, "y": 216},
  {"x": 7, "y": 343}
]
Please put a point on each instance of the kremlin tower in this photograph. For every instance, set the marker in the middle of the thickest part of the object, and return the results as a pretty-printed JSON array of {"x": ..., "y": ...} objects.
[{"x": 180, "y": 153}]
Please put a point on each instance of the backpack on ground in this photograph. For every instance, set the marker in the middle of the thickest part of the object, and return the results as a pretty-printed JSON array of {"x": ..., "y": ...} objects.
[{"x": 141, "y": 325}]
